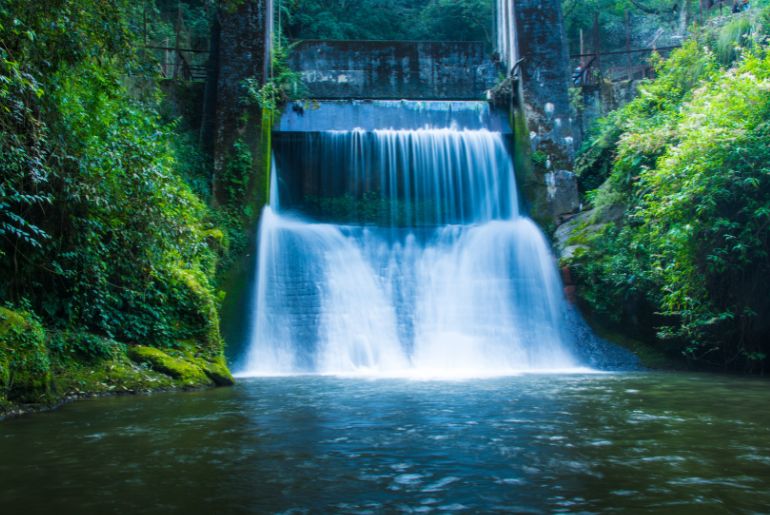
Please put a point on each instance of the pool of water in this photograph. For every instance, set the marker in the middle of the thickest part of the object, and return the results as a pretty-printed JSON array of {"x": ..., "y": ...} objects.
[{"x": 672, "y": 443}]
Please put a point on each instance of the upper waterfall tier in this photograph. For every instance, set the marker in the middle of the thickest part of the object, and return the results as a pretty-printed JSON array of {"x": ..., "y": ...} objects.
[
  {"x": 404, "y": 178},
  {"x": 391, "y": 114}
]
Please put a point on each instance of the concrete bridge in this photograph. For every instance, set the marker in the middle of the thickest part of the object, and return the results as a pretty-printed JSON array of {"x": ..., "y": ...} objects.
[{"x": 531, "y": 53}]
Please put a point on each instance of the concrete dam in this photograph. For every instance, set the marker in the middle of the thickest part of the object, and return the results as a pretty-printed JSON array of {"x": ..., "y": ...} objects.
[{"x": 399, "y": 234}]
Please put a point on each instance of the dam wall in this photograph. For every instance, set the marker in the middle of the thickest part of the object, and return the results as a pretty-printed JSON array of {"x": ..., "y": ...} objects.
[{"x": 414, "y": 70}]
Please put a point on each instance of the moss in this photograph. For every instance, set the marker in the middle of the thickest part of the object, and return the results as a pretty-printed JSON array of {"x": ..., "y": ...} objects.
[
  {"x": 72, "y": 372},
  {"x": 198, "y": 309},
  {"x": 5, "y": 372},
  {"x": 217, "y": 371},
  {"x": 183, "y": 370},
  {"x": 266, "y": 144},
  {"x": 213, "y": 364},
  {"x": 25, "y": 372},
  {"x": 117, "y": 375}
]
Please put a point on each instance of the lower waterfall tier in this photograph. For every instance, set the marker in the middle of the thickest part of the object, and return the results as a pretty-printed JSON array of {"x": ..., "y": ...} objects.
[{"x": 477, "y": 299}]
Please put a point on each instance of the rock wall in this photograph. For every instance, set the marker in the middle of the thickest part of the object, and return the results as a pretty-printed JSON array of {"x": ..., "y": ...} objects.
[{"x": 422, "y": 70}]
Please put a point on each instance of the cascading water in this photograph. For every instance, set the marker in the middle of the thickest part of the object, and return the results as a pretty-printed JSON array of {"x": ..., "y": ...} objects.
[{"x": 402, "y": 251}]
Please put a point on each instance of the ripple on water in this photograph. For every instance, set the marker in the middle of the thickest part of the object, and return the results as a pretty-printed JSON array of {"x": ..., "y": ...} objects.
[
  {"x": 441, "y": 484},
  {"x": 511, "y": 481},
  {"x": 408, "y": 479},
  {"x": 453, "y": 507}
]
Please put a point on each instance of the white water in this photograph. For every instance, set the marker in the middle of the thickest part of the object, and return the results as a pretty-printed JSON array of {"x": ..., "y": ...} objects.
[
  {"x": 507, "y": 40},
  {"x": 455, "y": 282}
]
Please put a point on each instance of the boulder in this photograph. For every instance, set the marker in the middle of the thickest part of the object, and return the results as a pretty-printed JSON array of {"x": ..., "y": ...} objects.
[{"x": 177, "y": 368}]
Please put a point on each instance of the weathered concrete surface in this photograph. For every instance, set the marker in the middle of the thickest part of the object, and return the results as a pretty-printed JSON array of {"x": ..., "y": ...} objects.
[
  {"x": 545, "y": 76},
  {"x": 421, "y": 70},
  {"x": 599, "y": 100},
  {"x": 541, "y": 110},
  {"x": 561, "y": 194},
  {"x": 242, "y": 52},
  {"x": 238, "y": 134}
]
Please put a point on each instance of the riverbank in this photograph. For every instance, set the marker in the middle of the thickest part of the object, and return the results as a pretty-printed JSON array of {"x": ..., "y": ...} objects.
[
  {"x": 41, "y": 370},
  {"x": 122, "y": 376}
]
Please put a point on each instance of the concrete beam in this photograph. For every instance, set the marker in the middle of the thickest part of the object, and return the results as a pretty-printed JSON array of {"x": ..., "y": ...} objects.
[{"x": 415, "y": 70}]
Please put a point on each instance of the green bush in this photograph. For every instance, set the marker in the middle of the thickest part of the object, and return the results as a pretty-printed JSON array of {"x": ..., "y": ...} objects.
[
  {"x": 25, "y": 369},
  {"x": 104, "y": 229},
  {"x": 83, "y": 346},
  {"x": 691, "y": 254}
]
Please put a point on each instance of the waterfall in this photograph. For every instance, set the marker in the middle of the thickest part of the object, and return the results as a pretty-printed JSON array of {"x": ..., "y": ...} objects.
[
  {"x": 402, "y": 251},
  {"x": 505, "y": 29}
]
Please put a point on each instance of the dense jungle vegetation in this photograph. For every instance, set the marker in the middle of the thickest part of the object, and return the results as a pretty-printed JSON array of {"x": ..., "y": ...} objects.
[
  {"x": 108, "y": 245},
  {"x": 676, "y": 247},
  {"x": 442, "y": 20}
]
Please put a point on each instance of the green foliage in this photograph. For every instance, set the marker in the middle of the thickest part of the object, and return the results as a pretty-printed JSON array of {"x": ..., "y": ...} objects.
[
  {"x": 235, "y": 177},
  {"x": 191, "y": 17},
  {"x": 456, "y": 20},
  {"x": 632, "y": 137},
  {"x": 732, "y": 38},
  {"x": 688, "y": 165},
  {"x": 597, "y": 155},
  {"x": 284, "y": 85},
  {"x": 100, "y": 229},
  {"x": 443, "y": 20},
  {"x": 83, "y": 346},
  {"x": 25, "y": 373}
]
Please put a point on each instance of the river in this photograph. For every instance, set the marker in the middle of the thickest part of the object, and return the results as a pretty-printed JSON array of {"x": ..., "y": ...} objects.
[{"x": 569, "y": 443}]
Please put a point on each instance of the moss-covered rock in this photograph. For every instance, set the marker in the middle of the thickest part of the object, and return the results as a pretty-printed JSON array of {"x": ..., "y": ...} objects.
[
  {"x": 25, "y": 368},
  {"x": 118, "y": 375},
  {"x": 217, "y": 371},
  {"x": 196, "y": 309},
  {"x": 181, "y": 369}
]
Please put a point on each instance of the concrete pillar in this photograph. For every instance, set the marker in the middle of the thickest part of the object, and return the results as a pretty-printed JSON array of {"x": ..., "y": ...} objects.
[
  {"x": 543, "y": 98},
  {"x": 243, "y": 49},
  {"x": 239, "y": 134}
]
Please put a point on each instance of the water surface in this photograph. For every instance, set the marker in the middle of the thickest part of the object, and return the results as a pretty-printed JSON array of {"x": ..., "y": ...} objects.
[{"x": 639, "y": 442}]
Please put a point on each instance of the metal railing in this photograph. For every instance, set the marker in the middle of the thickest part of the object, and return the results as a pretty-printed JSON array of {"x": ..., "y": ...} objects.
[{"x": 181, "y": 63}]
